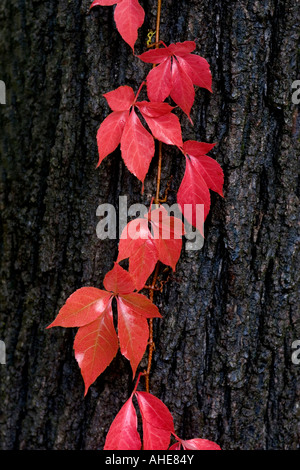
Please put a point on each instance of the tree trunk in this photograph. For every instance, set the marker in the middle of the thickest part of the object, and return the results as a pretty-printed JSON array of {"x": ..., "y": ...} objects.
[{"x": 222, "y": 362}]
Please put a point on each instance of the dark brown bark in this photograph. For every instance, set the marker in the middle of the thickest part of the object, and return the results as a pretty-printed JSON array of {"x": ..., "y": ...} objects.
[{"x": 222, "y": 362}]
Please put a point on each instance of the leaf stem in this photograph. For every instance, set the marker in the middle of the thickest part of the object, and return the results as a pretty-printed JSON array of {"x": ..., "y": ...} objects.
[{"x": 138, "y": 92}]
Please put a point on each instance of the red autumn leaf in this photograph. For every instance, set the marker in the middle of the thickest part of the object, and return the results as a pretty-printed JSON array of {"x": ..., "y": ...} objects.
[
  {"x": 182, "y": 91},
  {"x": 118, "y": 281},
  {"x": 137, "y": 244},
  {"x": 155, "y": 411},
  {"x": 120, "y": 99},
  {"x": 199, "y": 444},
  {"x": 195, "y": 444},
  {"x": 129, "y": 17},
  {"x": 155, "y": 438},
  {"x": 133, "y": 332},
  {"x": 165, "y": 128},
  {"x": 123, "y": 434},
  {"x": 82, "y": 307},
  {"x": 96, "y": 342},
  {"x": 156, "y": 86},
  {"x": 197, "y": 69},
  {"x": 124, "y": 127},
  {"x": 167, "y": 234},
  {"x": 157, "y": 422},
  {"x": 182, "y": 48},
  {"x": 138, "y": 304},
  {"x": 137, "y": 147},
  {"x": 202, "y": 173},
  {"x": 95, "y": 346},
  {"x": 211, "y": 170},
  {"x": 176, "y": 446},
  {"x": 177, "y": 72},
  {"x": 104, "y": 3},
  {"x": 153, "y": 110},
  {"x": 133, "y": 311},
  {"x": 144, "y": 248},
  {"x": 110, "y": 132}
]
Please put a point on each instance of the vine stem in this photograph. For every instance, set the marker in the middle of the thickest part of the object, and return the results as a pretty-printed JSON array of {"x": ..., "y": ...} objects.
[
  {"x": 151, "y": 342},
  {"x": 158, "y": 180},
  {"x": 158, "y": 14},
  {"x": 156, "y": 201}
]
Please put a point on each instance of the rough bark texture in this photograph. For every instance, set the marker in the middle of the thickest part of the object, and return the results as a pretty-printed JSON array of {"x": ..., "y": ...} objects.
[{"x": 222, "y": 362}]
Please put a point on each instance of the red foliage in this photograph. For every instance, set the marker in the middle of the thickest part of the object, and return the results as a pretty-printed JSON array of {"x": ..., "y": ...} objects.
[
  {"x": 158, "y": 427},
  {"x": 177, "y": 73},
  {"x": 144, "y": 241},
  {"x": 144, "y": 248},
  {"x": 96, "y": 342},
  {"x": 124, "y": 127},
  {"x": 129, "y": 17}
]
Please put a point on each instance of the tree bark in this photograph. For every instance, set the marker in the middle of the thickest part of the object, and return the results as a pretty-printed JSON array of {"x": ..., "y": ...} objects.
[{"x": 222, "y": 362}]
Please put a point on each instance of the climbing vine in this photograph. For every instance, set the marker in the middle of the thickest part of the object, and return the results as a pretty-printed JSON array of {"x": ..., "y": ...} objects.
[{"x": 146, "y": 242}]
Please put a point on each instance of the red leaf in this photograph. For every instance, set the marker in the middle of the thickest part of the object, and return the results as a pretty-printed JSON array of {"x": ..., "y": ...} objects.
[
  {"x": 165, "y": 128},
  {"x": 182, "y": 48},
  {"x": 209, "y": 168},
  {"x": 201, "y": 174},
  {"x": 136, "y": 243},
  {"x": 200, "y": 444},
  {"x": 104, "y": 3},
  {"x": 157, "y": 422},
  {"x": 95, "y": 346},
  {"x": 192, "y": 192},
  {"x": 144, "y": 249},
  {"x": 155, "y": 56},
  {"x": 182, "y": 91},
  {"x": 118, "y": 281},
  {"x": 197, "y": 68},
  {"x": 167, "y": 240},
  {"x": 165, "y": 226},
  {"x": 186, "y": 70},
  {"x": 154, "y": 110},
  {"x": 110, "y": 132},
  {"x": 142, "y": 263},
  {"x": 137, "y": 147},
  {"x": 133, "y": 236},
  {"x": 129, "y": 17},
  {"x": 159, "y": 89},
  {"x": 197, "y": 149},
  {"x": 155, "y": 412},
  {"x": 138, "y": 304},
  {"x": 176, "y": 446},
  {"x": 133, "y": 334},
  {"x": 122, "y": 434},
  {"x": 137, "y": 144},
  {"x": 155, "y": 438},
  {"x": 120, "y": 99},
  {"x": 82, "y": 307}
]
